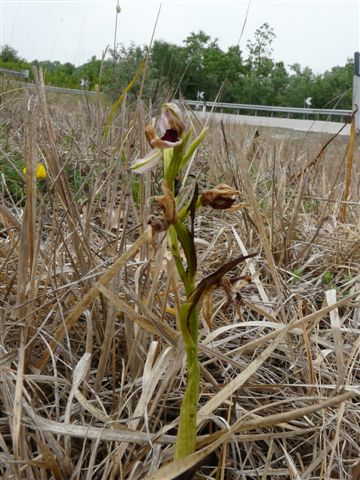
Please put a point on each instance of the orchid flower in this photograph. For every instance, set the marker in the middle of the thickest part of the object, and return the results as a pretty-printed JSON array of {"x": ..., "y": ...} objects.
[{"x": 164, "y": 132}]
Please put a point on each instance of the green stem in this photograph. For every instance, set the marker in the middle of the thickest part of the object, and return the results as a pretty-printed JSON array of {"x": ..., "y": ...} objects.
[
  {"x": 186, "y": 436},
  {"x": 174, "y": 160},
  {"x": 189, "y": 324}
]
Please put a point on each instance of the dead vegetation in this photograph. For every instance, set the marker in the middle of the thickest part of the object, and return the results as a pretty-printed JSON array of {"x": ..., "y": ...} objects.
[{"x": 92, "y": 368}]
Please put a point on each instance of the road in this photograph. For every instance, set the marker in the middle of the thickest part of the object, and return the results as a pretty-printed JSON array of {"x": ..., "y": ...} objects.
[{"x": 315, "y": 126}]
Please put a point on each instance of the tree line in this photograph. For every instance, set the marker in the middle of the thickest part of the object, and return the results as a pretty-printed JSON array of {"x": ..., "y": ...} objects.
[{"x": 199, "y": 68}]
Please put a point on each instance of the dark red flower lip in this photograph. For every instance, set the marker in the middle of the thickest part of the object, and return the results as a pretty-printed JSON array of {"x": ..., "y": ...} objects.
[{"x": 171, "y": 135}]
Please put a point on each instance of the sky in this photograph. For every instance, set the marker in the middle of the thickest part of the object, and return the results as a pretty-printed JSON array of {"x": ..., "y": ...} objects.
[{"x": 319, "y": 34}]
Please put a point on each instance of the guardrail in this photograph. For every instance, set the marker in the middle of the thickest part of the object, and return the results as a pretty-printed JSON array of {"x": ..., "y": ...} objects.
[
  {"x": 72, "y": 91},
  {"x": 238, "y": 107},
  {"x": 25, "y": 74},
  {"x": 15, "y": 73}
]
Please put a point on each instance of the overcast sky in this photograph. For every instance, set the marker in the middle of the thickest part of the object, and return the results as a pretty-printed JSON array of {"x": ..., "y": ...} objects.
[{"x": 319, "y": 34}]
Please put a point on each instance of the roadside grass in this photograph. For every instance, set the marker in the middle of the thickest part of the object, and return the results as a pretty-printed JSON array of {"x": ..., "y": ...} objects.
[{"x": 92, "y": 370}]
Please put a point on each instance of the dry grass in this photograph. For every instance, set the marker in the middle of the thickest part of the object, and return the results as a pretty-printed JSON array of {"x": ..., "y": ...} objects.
[{"x": 92, "y": 366}]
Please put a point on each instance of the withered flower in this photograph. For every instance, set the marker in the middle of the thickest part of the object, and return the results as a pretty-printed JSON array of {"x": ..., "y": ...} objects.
[
  {"x": 232, "y": 294},
  {"x": 166, "y": 204},
  {"x": 158, "y": 223},
  {"x": 221, "y": 197},
  {"x": 165, "y": 213}
]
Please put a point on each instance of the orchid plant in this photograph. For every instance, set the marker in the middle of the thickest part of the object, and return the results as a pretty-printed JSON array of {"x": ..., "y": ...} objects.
[{"x": 169, "y": 140}]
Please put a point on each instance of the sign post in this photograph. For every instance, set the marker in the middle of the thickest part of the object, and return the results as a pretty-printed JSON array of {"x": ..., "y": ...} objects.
[{"x": 356, "y": 90}]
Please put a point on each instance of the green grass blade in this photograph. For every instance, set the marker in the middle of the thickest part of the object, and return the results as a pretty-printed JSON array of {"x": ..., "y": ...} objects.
[{"x": 116, "y": 105}]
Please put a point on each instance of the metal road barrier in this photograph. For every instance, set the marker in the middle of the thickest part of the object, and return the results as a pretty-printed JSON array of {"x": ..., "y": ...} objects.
[
  {"x": 238, "y": 107},
  {"x": 71, "y": 91},
  {"x": 25, "y": 74},
  {"x": 15, "y": 73}
]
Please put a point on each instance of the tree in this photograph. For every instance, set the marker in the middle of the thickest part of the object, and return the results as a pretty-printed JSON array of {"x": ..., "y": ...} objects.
[
  {"x": 333, "y": 89},
  {"x": 121, "y": 68},
  {"x": 89, "y": 72},
  {"x": 9, "y": 55},
  {"x": 263, "y": 78},
  {"x": 279, "y": 81},
  {"x": 197, "y": 42},
  {"x": 300, "y": 86},
  {"x": 260, "y": 50},
  {"x": 168, "y": 63},
  {"x": 195, "y": 46},
  {"x": 207, "y": 66}
]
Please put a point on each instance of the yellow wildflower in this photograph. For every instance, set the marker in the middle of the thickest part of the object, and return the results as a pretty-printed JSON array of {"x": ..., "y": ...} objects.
[{"x": 40, "y": 171}]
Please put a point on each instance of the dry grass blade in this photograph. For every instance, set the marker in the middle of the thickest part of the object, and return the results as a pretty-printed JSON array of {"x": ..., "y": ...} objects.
[
  {"x": 173, "y": 469},
  {"x": 336, "y": 439},
  {"x": 237, "y": 383},
  {"x": 90, "y": 296},
  {"x": 60, "y": 181},
  {"x": 50, "y": 462},
  {"x": 264, "y": 239},
  {"x": 293, "y": 472},
  {"x": 336, "y": 328},
  {"x": 348, "y": 171},
  {"x": 151, "y": 377},
  {"x": 254, "y": 275},
  {"x": 103, "y": 434},
  {"x": 312, "y": 318},
  {"x": 26, "y": 266},
  {"x": 126, "y": 90}
]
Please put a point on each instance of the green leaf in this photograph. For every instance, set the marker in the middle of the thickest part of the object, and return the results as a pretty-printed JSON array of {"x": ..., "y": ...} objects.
[
  {"x": 187, "y": 242},
  {"x": 192, "y": 207},
  {"x": 173, "y": 161},
  {"x": 173, "y": 244},
  {"x": 191, "y": 150},
  {"x": 169, "y": 167}
]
